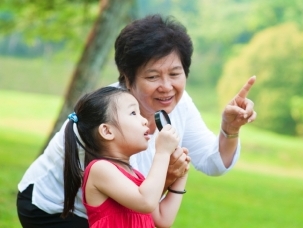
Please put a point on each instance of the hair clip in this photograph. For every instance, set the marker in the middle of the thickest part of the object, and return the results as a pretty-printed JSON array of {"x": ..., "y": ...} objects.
[{"x": 73, "y": 117}]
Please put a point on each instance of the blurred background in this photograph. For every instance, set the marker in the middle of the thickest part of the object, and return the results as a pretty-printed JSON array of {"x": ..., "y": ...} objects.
[{"x": 51, "y": 52}]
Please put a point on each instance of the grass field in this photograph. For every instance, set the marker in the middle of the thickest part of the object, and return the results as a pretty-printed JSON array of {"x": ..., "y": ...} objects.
[{"x": 265, "y": 188}]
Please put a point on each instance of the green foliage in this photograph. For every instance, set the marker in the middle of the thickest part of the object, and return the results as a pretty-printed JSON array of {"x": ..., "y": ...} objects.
[
  {"x": 296, "y": 106},
  {"x": 275, "y": 56},
  {"x": 56, "y": 21},
  {"x": 218, "y": 27}
]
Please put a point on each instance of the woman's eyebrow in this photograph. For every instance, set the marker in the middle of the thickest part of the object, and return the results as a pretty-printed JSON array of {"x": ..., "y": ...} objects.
[{"x": 154, "y": 70}]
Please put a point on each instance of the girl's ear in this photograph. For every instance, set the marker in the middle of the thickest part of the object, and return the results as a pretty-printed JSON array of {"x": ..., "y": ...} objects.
[{"x": 106, "y": 132}]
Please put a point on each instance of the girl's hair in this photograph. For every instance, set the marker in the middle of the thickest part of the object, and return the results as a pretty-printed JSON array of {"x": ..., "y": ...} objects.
[
  {"x": 91, "y": 110},
  {"x": 152, "y": 37}
]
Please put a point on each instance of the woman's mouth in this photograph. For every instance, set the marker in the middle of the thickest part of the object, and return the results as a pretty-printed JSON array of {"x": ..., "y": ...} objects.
[{"x": 165, "y": 100}]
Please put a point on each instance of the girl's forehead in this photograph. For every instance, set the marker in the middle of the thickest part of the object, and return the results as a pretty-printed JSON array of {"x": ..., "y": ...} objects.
[{"x": 126, "y": 99}]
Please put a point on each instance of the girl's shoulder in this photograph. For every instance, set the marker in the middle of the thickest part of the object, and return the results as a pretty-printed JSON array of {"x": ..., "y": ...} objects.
[
  {"x": 104, "y": 165},
  {"x": 100, "y": 164}
]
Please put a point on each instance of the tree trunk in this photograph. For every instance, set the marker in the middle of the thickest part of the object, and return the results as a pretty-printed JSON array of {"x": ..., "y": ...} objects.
[{"x": 113, "y": 15}]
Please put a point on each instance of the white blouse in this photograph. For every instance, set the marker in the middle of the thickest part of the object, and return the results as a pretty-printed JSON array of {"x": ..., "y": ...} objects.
[{"x": 46, "y": 172}]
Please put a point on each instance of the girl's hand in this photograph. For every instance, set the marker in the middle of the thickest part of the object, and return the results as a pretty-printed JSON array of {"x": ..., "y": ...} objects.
[{"x": 167, "y": 140}]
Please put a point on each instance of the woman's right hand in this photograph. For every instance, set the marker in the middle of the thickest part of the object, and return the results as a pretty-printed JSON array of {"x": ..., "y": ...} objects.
[{"x": 167, "y": 140}]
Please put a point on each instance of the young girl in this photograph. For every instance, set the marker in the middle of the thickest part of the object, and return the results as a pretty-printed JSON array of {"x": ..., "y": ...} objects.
[{"x": 108, "y": 125}]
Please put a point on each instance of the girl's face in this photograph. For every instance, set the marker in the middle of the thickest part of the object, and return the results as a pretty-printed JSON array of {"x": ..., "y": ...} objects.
[
  {"x": 159, "y": 84},
  {"x": 133, "y": 126}
]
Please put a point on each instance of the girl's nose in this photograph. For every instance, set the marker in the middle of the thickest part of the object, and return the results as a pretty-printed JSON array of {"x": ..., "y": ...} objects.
[{"x": 145, "y": 122}]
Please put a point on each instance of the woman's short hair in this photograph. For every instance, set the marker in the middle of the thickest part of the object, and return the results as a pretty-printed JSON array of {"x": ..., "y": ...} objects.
[{"x": 152, "y": 37}]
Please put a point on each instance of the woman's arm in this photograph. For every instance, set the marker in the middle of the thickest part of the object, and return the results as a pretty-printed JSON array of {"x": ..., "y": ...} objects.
[{"x": 237, "y": 113}]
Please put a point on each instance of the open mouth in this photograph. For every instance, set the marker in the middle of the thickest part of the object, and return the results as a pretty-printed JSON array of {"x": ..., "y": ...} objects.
[
  {"x": 165, "y": 98},
  {"x": 146, "y": 135}
]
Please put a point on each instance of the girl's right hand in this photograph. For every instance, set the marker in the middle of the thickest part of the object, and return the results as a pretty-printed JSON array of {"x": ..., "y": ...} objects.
[{"x": 167, "y": 140}]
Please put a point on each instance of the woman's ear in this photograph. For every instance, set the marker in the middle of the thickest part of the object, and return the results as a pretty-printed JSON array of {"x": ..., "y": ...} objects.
[
  {"x": 106, "y": 131},
  {"x": 127, "y": 83}
]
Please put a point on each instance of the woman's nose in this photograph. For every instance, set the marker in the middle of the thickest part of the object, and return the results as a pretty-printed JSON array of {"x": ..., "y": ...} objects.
[{"x": 166, "y": 85}]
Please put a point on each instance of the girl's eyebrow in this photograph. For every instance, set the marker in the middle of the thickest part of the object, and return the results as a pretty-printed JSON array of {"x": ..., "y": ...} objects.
[{"x": 132, "y": 105}]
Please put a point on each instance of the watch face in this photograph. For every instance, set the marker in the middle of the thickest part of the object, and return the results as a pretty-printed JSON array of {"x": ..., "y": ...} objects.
[{"x": 161, "y": 118}]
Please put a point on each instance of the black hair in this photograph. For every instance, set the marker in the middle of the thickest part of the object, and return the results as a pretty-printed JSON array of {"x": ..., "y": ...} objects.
[
  {"x": 92, "y": 109},
  {"x": 152, "y": 37}
]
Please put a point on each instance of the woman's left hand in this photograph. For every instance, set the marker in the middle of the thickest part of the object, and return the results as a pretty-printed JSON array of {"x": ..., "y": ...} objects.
[
  {"x": 240, "y": 110},
  {"x": 178, "y": 165}
]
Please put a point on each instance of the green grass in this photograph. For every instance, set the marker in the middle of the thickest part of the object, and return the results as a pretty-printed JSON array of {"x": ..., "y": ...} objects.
[
  {"x": 242, "y": 199},
  {"x": 264, "y": 189},
  {"x": 45, "y": 76},
  {"x": 25, "y": 121}
]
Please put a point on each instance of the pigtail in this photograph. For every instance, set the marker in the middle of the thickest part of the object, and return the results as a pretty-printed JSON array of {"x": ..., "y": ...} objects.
[
  {"x": 72, "y": 170},
  {"x": 92, "y": 109}
]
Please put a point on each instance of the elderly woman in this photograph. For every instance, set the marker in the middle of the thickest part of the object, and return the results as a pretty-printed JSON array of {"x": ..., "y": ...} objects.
[{"x": 153, "y": 56}]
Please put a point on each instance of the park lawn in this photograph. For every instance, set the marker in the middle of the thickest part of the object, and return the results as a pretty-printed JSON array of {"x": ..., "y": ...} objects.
[{"x": 264, "y": 189}]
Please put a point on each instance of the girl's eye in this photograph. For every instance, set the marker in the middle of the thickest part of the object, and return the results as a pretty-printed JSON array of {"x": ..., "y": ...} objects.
[{"x": 133, "y": 113}]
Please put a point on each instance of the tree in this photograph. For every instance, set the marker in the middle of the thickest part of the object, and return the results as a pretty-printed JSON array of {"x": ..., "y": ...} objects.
[
  {"x": 58, "y": 20},
  {"x": 220, "y": 28},
  {"x": 112, "y": 16},
  {"x": 275, "y": 56}
]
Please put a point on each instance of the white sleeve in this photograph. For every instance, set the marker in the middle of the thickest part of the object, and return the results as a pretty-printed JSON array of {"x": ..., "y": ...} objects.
[{"x": 203, "y": 145}]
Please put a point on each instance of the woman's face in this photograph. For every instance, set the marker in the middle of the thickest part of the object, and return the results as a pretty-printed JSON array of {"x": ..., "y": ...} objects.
[{"x": 159, "y": 84}]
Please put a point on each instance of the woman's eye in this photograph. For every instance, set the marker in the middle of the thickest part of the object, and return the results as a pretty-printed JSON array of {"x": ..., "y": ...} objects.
[
  {"x": 133, "y": 113},
  {"x": 151, "y": 77}
]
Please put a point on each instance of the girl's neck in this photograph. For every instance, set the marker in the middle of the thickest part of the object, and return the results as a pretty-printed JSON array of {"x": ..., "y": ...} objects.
[
  {"x": 118, "y": 160},
  {"x": 122, "y": 163}
]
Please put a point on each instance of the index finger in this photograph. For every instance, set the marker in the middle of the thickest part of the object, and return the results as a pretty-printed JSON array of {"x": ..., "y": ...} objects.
[{"x": 245, "y": 89}]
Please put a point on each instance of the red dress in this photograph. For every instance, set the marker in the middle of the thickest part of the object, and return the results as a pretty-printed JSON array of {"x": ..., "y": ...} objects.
[{"x": 111, "y": 214}]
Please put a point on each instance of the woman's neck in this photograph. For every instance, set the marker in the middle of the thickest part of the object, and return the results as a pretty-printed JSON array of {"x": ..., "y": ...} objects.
[
  {"x": 152, "y": 127},
  {"x": 151, "y": 123}
]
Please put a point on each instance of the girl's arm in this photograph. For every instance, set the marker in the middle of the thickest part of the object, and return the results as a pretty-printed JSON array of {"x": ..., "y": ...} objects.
[
  {"x": 165, "y": 214},
  {"x": 105, "y": 180}
]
